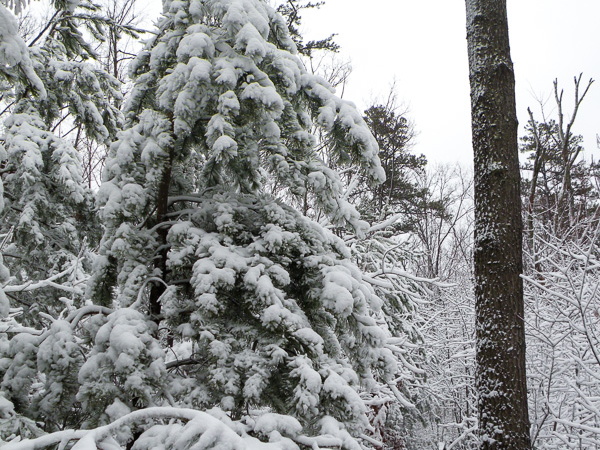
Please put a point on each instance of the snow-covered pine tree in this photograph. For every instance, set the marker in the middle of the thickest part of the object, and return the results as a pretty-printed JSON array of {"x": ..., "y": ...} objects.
[
  {"x": 224, "y": 296},
  {"x": 47, "y": 214},
  {"x": 48, "y": 211},
  {"x": 15, "y": 62}
]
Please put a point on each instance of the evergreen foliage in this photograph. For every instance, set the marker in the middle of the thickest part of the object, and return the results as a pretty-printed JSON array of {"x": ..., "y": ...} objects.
[
  {"x": 48, "y": 213},
  {"x": 400, "y": 193},
  {"x": 47, "y": 219},
  {"x": 291, "y": 11},
  {"x": 211, "y": 300},
  {"x": 259, "y": 295}
]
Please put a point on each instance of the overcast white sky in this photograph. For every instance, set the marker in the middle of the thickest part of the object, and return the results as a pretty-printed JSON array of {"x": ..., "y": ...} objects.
[{"x": 421, "y": 44}]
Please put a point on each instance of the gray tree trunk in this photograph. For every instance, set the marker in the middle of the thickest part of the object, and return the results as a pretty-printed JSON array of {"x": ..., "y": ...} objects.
[{"x": 500, "y": 380}]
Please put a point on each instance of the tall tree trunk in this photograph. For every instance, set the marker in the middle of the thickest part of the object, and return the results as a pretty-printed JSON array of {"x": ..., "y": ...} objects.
[
  {"x": 500, "y": 378},
  {"x": 160, "y": 262}
]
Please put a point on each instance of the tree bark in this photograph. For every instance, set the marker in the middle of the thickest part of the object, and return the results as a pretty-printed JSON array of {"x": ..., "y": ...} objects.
[
  {"x": 162, "y": 205},
  {"x": 500, "y": 333}
]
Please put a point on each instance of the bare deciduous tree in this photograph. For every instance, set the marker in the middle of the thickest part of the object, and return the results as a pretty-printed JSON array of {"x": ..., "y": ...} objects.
[
  {"x": 563, "y": 321},
  {"x": 556, "y": 151}
]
